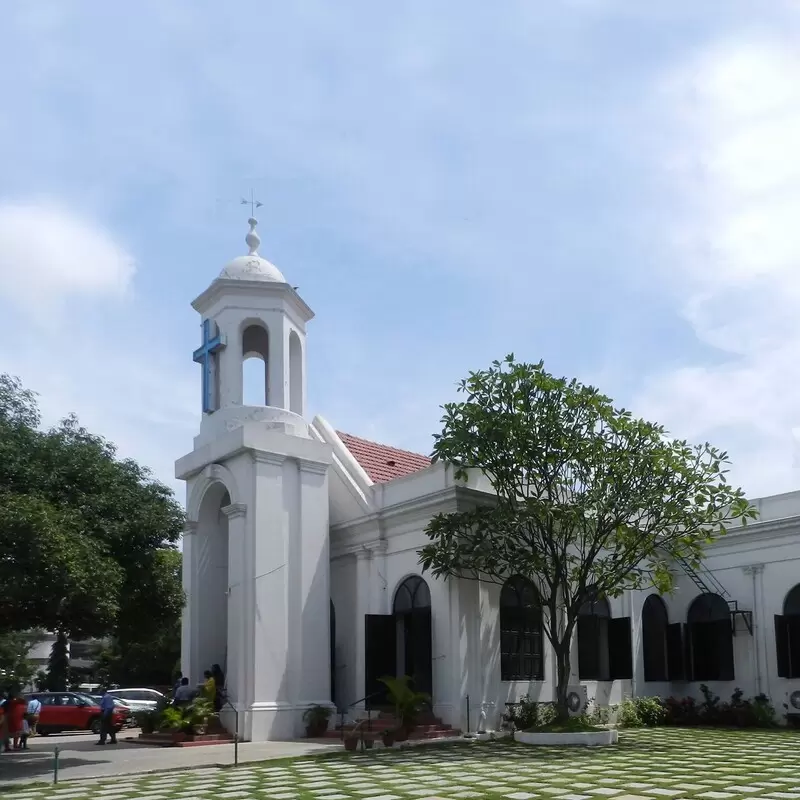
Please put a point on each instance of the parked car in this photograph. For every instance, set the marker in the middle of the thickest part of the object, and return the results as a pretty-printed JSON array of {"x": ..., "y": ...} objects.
[
  {"x": 130, "y": 721},
  {"x": 73, "y": 711},
  {"x": 140, "y": 699}
]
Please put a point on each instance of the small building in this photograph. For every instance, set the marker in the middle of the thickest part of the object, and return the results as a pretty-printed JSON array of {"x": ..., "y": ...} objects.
[{"x": 302, "y": 572}]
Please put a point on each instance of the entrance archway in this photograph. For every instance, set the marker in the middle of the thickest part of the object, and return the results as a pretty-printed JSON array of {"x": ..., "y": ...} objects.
[
  {"x": 211, "y": 631},
  {"x": 710, "y": 639},
  {"x": 412, "y": 612}
]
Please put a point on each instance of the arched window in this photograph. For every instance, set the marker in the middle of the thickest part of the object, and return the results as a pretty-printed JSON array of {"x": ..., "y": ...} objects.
[
  {"x": 787, "y": 635},
  {"x": 604, "y": 644},
  {"x": 710, "y": 639},
  {"x": 255, "y": 360},
  {"x": 521, "y": 651},
  {"x": 411, "y": 594},
  {"x": 414, "y": 632},
  {"x": 654, "y": 639}
]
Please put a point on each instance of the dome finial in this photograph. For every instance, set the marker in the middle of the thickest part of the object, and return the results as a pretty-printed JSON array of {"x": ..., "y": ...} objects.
[{"x": 252, "y": 239}]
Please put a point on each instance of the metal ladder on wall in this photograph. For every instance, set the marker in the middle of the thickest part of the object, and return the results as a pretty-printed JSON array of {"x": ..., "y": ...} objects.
[{"x": 708, "y": 583}]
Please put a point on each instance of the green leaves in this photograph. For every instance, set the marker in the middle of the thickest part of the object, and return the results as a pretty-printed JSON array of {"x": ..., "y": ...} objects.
[
  {"x": 81, "y": 532},
  {"x": 586, "y": 494}
]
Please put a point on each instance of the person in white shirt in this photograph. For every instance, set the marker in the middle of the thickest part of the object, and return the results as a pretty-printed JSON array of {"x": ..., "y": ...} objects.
[{"x": 184, "y": 693}]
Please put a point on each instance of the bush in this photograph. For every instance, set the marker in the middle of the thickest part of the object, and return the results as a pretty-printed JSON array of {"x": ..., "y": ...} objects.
[
  {"x": 529, "y": 714},
  {"x": 637, "y": 712}
]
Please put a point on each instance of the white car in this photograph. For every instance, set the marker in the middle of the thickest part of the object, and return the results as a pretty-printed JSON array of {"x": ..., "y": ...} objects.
[{"x": 140, "y": 699}]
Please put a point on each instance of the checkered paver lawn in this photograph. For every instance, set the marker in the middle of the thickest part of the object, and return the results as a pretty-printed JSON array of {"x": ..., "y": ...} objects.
[{"x": 646, "y": 765}]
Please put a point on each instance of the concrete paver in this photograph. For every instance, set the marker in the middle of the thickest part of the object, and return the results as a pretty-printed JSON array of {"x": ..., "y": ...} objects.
[{"x": 79, "y": 757}]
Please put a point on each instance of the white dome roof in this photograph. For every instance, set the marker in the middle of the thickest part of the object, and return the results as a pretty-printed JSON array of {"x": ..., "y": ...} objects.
[{"x": 252, "y": 268}]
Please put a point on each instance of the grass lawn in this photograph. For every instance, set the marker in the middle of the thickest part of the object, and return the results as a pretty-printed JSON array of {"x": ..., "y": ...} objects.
[{"x": 647, "y": 764}]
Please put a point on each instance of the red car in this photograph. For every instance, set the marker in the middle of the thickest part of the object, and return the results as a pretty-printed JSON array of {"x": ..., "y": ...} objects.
[{"x": 72, "y": 711}]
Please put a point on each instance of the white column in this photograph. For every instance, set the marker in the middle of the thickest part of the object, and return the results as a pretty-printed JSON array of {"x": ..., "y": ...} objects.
[
  {"x": 758, "y": 650},
  {"x": 278, "y": 363},
  {"x": 271, "y": 533},
  {"x": 313, "y": 586},
  {"x": 363, "y": 607},
  {"x": 229, "y": 363},
  {"x": 189, "y": 617},
  {"x": 239, "y": 577}
]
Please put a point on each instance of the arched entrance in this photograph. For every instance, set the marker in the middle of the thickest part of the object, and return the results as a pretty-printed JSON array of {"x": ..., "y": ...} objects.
[
  {"x": 787, "y": 635},
  {"x": 211, "y": 587},
  {"x": 654, "y": 638},
  {"x": 710, "y": 639},
  {"x": 412, "y": 611},
  {"x": 400, "y": 643}
]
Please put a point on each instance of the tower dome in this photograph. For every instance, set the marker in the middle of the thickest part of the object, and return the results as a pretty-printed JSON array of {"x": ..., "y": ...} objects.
[{"x": 252, "y": 267}]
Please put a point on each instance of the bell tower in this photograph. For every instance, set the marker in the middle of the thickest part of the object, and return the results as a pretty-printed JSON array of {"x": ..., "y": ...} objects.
[
  {"x": 256, "y": 558},
  {"x": 251, "y": 311}
]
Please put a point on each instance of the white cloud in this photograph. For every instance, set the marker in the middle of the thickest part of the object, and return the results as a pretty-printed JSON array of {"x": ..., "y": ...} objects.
[
  {"x": 82, "y": 344},
  {"x": 49, "y": 255},
  {"x": 734, "y": 167}
]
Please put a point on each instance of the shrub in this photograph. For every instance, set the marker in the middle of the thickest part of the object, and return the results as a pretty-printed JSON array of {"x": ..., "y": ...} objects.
[
  {"x": 681, "y": 712},
  {"x": 651, "y": 710},
  {"x": 529, "y": 714},
  {"x": 600, "y": 715},
  {"x": 523, "y": 715}
]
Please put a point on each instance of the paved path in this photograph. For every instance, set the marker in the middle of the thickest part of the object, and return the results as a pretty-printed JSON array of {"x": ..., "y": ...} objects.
[{"x": 79, "y": 757}]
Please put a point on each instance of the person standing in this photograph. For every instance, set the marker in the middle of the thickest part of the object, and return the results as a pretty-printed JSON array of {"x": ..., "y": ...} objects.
[
  {"x": 15, "y": 710},
  {"x": 32, "y": 718},
  {"x": 183, "y": 694},
  {"x": 5, "y": 710},
  {"x": 209, "y": 687},
  {"x": 107, "y": 719},
  {"x": 219, "y": 686}
]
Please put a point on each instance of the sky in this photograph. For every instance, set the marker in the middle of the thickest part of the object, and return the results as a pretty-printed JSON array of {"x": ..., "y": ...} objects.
[{"x": 609, "y": 185}]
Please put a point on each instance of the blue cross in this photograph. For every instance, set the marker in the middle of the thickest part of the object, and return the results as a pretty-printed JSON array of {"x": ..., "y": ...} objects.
[{"x": 203, "y": 355}]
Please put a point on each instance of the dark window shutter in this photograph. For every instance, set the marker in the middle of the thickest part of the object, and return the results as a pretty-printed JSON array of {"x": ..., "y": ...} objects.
[
  {"x": 620, "y": 655},
  {"x": 588, "y": 648},
  {"x": 782, "y": 646},
  {"x": 381, "y": 655},
  {"x": 688, "y": 655},
  {"x": 603, "y": 662},
  {"x": 724, "y": 651},
  {"x": 793, "y": 644},
  {"x": 675, "y": 653}
]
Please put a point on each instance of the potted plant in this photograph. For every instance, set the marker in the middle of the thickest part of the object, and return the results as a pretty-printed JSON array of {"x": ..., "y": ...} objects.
[
  {"x": 351, "y": 740},
  {"x": 407, "y": 703},
  {"x": 388, "y": 737},
  {"x": 148, "y": 720},
  {"x": 197, "y": 716},
  {"x": 316, "y": 719}
]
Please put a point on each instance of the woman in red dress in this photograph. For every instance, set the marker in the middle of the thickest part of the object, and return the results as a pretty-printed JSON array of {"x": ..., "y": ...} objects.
[{"x": 16, "y": 719}]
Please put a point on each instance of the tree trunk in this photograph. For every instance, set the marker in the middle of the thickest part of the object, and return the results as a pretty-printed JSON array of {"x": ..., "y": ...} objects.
[{"x": 563, "y": 668}]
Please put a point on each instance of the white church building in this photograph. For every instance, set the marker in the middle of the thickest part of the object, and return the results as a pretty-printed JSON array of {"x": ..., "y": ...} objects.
[{"x": 302, "y": 577}]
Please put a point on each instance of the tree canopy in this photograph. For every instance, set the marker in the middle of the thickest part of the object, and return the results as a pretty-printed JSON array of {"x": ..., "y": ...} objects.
[
  {"x": 87, "y": 540},
  {"x": 590, "y": 501}
]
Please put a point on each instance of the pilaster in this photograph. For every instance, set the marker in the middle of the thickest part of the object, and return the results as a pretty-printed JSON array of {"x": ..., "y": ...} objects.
[
  {"x": 759, "y": 648},
  {"x": 239, "y": 614}
]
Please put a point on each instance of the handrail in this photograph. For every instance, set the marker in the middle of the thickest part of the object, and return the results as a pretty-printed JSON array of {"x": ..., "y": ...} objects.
[
  {"x": 226, "y": 702},
  {"x": 343, "y": 712}
]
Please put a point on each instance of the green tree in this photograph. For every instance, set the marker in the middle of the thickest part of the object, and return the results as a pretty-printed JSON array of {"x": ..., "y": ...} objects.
[
  {"x": 590, "y": 501},
  {"x": 83, "y": 534},
  {"x": 58, "y": 679},
  {"x": 16, "y": 669}
]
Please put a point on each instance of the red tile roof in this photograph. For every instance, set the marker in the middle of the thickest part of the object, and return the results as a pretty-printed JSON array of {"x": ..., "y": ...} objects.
[{"x": 381, "y": 462}]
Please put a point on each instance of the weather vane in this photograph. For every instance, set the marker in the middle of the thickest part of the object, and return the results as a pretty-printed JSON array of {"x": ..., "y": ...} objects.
[{"x": 252, "y": 202}]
